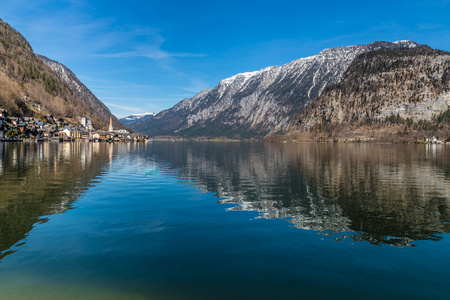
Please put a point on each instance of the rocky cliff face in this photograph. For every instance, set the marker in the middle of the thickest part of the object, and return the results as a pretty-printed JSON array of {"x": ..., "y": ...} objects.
[
  {"x": 401, "y": 91},
  {"x": 259, "y": 103},
  {"x": 81, "y": 91}
]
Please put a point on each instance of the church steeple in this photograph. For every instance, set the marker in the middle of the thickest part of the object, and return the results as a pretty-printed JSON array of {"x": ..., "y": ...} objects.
[{"x": 110, "y": 124}]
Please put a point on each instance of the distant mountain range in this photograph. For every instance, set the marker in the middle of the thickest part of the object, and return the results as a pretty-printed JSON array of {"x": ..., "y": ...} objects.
[
  {"x": 382, "y": 91},
  {"x": 136, "y": 118},
  {"x": 270, "y": 101}
]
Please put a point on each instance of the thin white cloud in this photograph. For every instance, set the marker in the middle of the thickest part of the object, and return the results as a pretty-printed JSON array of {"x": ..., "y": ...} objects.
[
  {"x": 73, "y": 27},
  {"x": 138, "y": 99},
  {"x": 430, "y": 26},
  {"x": 192, "y": 85},
  {"x": 126, "y": 98},
  {"x": 121, "y": 111},
  {"x": 127, "y": 108},
  {"x": 153, "y": 54}
]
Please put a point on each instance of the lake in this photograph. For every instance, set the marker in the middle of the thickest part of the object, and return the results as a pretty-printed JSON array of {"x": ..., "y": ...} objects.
[{"x": 224, "y": 220}]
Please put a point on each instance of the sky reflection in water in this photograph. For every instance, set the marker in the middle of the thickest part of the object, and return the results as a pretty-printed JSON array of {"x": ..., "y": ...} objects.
[{"x": 222, "y": 220}]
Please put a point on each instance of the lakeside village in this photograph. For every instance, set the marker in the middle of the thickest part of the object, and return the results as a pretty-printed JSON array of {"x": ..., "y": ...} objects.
[{"x": 33, "y": 129}]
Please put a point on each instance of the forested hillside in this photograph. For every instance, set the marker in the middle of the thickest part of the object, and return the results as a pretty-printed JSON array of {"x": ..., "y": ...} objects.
[
  {"x": 28, "y": 87},
  {"x": 81, "y": 91}
]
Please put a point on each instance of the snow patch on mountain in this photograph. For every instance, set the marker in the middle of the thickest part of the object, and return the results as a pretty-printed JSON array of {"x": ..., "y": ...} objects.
[
  {"x": 407, "y": 44},
  {"x": 136, "y": 118}
]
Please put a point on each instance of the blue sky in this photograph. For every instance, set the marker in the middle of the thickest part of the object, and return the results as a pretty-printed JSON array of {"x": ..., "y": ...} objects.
[{"x": 146, "y": 56}]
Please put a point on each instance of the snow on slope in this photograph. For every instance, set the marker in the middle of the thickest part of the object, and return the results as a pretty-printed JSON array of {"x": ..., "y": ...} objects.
[
  {"x": 260, "y": 102},
  {"x": 136, "y": 118}
]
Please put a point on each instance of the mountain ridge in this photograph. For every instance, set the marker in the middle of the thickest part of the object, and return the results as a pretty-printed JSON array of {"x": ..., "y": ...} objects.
[
  {"x": 81, "y": 90},
  {"x": 29, "y": 87},
  {"x": 396, "y": 95},
  {"x": 259, "y": 103}
]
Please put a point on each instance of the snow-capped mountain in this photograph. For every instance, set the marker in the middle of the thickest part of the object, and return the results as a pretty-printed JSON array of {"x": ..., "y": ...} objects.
[
  {"x": 136, "y": 118},
  {"x": 387, "y": 96},
  {"x": 255, "y": 104}
]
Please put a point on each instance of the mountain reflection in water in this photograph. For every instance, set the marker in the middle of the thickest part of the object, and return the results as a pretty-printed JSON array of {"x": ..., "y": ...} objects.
[
  {"x": 384, "y": 194},
  {"x": 41, "y": 179}
]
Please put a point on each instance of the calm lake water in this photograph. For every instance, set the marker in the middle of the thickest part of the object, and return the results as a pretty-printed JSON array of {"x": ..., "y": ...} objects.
[{"x": 205, "y": 220}]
